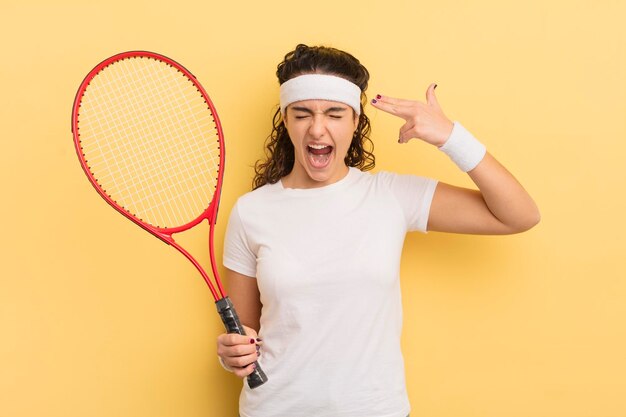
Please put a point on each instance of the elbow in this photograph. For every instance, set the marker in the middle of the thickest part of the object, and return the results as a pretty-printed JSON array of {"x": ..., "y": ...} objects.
[
  {"x": 526, "y": 223},
  {"x": 532, "y": 222}
]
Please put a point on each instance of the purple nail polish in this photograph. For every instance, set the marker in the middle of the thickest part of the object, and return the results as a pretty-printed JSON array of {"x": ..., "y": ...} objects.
[
  {"x": 259, "y": 340},
  {"x": 374, "y": 101}
]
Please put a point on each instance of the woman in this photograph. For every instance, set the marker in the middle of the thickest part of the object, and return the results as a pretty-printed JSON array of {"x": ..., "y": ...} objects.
[{"x": 313, "y": 253}]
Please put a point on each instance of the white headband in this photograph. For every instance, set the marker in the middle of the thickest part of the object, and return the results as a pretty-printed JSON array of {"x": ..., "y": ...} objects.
[{"x": 320, "y": 87}]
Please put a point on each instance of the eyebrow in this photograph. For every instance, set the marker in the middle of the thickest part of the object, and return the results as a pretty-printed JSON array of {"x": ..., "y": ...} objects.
[{"x": 328, "y": 110}]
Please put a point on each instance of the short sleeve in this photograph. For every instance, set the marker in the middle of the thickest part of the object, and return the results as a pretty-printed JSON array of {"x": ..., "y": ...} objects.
[
  {"x": 414, "y": 195},
  {"x": 237, "y": 253}
]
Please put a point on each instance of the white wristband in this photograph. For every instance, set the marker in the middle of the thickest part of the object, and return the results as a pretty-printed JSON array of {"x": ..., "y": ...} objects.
[
  {"x": 463, "y": 148},
  {"x": 228, "y": 368}
]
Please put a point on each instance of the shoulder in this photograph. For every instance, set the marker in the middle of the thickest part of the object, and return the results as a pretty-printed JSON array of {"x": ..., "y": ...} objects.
[
  {"x": 259, "y": 195},
  {"x": 256, "y": 203}
]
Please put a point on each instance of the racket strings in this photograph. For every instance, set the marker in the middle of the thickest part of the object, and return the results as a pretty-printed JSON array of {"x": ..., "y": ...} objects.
[
  {"x": 161, "y": 109},
  {"x": 150, "y": 141}
]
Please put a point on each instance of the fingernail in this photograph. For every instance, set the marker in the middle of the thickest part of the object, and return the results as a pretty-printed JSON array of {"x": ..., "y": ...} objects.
[
  {"x": 251, "y": 341},
  {"x": 254, "y": 366},
  {"x": 374, "y": 101},
  {"x": 378, "y": 96},
  {"x": 259, "y": 339},
  {"x": 435, "y": 86}
]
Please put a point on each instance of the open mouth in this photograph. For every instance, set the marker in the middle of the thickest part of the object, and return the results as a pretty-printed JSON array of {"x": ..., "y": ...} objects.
[{"x": 319, "y": 155}]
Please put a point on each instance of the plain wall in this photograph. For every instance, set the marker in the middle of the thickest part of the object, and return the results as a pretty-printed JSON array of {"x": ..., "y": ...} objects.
[{"x": 98, "y": 318}]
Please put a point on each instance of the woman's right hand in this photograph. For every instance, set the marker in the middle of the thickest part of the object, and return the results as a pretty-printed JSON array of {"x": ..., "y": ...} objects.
[{"x": 239, "y": 352}]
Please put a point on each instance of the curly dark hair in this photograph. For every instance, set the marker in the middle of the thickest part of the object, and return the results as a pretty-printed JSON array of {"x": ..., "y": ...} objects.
[{"x": 279, "y": 150}]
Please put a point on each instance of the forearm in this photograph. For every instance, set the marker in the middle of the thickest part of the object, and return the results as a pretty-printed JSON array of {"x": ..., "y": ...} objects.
[
  {"x": 500, "y": 205},
  {"x": 244, "y": 293},
  {"x": 504, "y": 196}
]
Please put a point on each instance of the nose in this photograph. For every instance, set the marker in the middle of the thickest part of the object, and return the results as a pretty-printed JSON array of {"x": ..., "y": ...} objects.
[{"x": 318, "y": 126}]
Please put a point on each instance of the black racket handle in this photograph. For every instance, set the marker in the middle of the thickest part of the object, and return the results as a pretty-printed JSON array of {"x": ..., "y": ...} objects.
[{"x": 233, "y": 325}]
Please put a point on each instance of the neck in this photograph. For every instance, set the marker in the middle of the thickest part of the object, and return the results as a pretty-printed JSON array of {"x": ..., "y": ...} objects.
[{"x": 297, "y": 179}]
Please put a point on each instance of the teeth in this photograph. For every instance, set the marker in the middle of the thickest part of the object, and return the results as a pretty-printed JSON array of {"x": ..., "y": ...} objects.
[{"x": 318, "y": 146}]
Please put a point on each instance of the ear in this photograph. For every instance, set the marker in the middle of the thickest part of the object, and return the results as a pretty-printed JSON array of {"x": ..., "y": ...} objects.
[{"x": 283, "y": 116}]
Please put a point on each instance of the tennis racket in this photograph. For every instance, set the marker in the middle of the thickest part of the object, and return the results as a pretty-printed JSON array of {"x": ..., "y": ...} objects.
[{"x": 150, "y": 141}]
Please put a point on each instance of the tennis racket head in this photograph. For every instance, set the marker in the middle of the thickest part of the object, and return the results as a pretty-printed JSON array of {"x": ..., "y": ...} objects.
[{"x": 150, "y": 141}]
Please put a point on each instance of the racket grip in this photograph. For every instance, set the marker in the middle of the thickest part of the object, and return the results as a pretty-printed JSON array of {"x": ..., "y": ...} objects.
[{"x": 227, "y": 312}]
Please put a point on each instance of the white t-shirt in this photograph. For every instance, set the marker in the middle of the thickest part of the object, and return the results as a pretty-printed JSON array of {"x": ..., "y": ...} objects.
[{"x": 327, "y": 263}]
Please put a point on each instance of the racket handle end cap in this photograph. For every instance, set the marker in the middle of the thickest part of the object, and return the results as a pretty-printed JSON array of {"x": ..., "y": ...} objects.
[{"x": 257, "y": 378}]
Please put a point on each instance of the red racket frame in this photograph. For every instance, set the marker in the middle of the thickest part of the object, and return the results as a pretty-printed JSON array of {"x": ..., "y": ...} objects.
[{"x": 165, "y": 234}]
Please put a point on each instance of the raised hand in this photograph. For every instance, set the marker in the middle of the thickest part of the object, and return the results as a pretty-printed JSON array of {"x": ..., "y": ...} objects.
[{"x": 425, "y": 121}]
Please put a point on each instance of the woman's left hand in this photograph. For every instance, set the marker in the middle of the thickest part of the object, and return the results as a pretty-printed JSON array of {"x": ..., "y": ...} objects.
[{"x": 425, "y": 121}]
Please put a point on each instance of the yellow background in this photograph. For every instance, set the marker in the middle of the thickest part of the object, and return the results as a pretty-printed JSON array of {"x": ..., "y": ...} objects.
[{"x": 98, "y": 318}]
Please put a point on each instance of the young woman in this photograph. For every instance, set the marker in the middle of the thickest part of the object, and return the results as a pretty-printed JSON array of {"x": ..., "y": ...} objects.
[{"x": 312, "y": 254}]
